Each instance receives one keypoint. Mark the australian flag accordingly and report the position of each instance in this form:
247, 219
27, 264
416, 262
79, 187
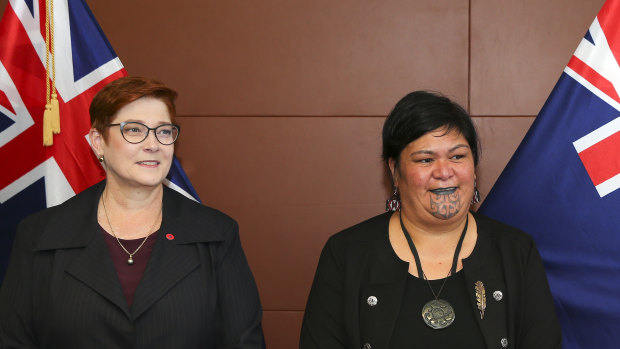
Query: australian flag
34, 176
562, 185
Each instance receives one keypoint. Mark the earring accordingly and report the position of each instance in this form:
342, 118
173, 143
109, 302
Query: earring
476, 198
101, 158
393, 203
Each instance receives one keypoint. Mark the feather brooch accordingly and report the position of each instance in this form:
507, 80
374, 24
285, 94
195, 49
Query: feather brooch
481, 298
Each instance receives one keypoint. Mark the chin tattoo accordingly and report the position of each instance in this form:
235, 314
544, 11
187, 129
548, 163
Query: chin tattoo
445, 206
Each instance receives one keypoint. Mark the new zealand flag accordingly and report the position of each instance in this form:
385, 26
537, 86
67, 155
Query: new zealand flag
562, 186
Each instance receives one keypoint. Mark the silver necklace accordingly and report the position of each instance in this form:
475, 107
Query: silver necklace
131, 254
437, 313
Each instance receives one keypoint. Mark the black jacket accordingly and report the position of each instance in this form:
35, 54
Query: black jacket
359, 262
61, 289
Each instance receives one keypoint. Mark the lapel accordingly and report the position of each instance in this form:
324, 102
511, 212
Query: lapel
73, 226
171, 260
169, 263
185, 224
385, 280
94, 267
484, 266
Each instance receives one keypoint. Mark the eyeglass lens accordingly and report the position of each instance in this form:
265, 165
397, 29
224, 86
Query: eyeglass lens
135, 132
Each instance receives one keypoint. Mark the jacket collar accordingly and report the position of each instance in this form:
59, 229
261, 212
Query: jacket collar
73, 224
385, 278
482, 266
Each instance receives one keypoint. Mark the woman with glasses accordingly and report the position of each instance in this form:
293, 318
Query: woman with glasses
130, 263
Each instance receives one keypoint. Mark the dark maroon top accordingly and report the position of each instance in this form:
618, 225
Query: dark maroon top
129, 275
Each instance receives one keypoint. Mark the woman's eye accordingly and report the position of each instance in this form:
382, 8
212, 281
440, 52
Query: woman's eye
424, 161
458, 156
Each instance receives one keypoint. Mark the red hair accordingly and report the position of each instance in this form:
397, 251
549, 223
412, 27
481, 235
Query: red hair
117, 94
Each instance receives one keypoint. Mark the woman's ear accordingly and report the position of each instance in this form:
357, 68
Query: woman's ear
96, 141
393, 170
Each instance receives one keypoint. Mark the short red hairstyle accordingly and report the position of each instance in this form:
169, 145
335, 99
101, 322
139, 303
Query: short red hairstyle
117, 94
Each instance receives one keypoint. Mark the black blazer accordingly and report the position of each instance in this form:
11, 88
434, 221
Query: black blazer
61, 289
359, 262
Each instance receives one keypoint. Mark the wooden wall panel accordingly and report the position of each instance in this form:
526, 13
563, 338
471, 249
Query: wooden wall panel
290, 182
499, 138
520, 48
282, 328
276, 57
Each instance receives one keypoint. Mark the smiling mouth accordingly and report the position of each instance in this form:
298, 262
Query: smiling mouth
148, 163
443, 191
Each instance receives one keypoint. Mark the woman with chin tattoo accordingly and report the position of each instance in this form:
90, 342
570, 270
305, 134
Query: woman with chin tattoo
430, 273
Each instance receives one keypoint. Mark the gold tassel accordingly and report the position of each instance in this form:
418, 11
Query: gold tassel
55, 107
48, 138
55, 114
481, 298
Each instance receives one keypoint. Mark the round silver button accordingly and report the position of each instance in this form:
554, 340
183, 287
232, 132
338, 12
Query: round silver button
367, 346
504, 342
372, 301
498, 295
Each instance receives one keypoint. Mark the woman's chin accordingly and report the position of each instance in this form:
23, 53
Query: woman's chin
447, 211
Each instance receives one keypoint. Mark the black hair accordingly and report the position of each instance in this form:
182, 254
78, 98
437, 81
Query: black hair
421, 112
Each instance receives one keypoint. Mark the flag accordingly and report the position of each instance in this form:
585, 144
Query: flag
562, 186
35, 176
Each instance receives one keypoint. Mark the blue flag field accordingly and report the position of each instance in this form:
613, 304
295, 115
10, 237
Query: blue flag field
562, 186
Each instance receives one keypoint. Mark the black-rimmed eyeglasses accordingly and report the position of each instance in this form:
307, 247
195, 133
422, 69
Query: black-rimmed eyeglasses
136, 132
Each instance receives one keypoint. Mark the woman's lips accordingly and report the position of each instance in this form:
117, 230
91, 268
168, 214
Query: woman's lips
443, 191
148, 163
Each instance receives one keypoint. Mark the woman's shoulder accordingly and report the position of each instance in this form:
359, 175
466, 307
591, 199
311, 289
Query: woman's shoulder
72, 207
501, 233
370, 229
188, 212
50, 224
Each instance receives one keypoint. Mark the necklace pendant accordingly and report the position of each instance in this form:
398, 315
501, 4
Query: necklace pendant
130, 260
438, 314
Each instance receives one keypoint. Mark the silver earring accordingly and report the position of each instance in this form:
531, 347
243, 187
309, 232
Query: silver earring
476, 198
393, 203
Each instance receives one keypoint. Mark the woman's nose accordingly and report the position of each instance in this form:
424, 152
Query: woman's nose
151, 143
443, 169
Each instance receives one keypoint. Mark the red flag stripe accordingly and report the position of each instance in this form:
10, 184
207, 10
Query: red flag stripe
593, 77
602, 160
21, 61
608, 20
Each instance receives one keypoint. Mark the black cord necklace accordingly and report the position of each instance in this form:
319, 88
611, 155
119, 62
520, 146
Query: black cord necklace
437, 313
